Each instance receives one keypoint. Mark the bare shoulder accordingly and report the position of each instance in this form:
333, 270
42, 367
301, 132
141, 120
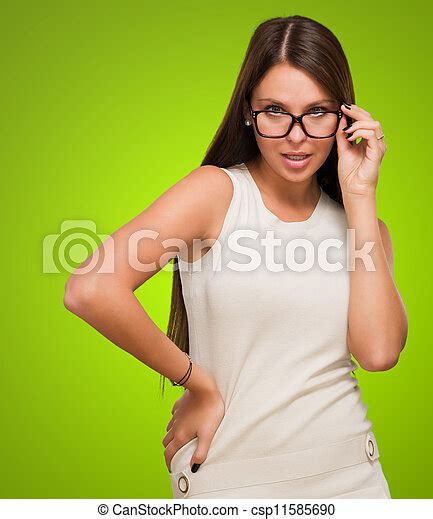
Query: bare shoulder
210, 190
387, 243
198, 202
208, 181
197, 195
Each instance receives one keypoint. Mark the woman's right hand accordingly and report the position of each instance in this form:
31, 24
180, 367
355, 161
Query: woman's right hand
195, 414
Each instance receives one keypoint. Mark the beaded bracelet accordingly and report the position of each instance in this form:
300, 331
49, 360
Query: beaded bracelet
187, 374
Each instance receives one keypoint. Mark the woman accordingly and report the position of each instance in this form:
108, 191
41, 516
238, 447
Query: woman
262, 347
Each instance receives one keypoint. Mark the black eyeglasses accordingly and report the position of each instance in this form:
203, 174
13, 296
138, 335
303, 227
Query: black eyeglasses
320, 124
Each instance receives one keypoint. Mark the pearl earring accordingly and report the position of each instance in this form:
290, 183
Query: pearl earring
247, 123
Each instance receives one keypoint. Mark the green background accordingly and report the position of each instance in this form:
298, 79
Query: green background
105, 105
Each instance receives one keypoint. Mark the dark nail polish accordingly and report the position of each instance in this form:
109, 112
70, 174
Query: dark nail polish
195, 467
347, 106
347, 127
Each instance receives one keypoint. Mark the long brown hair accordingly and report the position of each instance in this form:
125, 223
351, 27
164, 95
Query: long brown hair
303, 43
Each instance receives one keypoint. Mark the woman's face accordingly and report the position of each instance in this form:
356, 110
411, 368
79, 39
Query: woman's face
290, 89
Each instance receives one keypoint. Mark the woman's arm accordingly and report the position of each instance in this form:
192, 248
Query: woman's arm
378, 323
107, 302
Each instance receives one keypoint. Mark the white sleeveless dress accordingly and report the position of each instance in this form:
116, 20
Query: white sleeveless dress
271, 328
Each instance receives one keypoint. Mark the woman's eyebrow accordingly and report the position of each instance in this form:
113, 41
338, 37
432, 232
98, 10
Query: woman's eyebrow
307, 106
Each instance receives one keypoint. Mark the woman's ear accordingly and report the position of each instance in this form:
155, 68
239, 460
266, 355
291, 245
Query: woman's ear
247, 115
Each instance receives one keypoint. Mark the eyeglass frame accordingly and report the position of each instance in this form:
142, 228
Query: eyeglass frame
295, 119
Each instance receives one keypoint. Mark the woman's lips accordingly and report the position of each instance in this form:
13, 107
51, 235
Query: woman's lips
297, 164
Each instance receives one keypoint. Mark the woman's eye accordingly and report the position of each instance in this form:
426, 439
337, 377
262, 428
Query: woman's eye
272, 106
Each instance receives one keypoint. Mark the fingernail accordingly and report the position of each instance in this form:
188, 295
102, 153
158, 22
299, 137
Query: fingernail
347, 106
195, 467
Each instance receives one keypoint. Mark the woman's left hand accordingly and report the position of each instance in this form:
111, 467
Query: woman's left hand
358, 164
